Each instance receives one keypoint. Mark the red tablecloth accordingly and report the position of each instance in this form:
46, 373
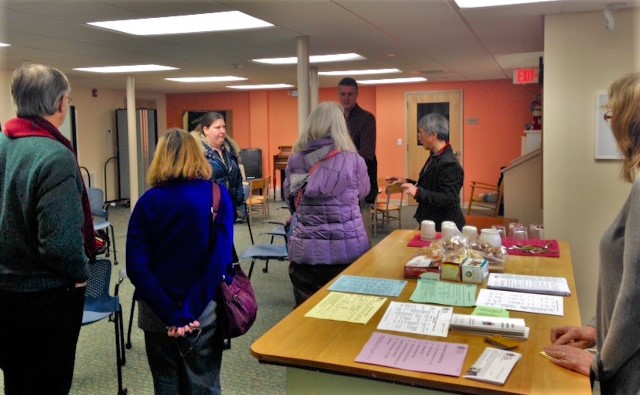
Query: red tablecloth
553, 248
418, 242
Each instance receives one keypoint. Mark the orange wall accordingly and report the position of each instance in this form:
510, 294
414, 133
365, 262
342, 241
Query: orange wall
268, 119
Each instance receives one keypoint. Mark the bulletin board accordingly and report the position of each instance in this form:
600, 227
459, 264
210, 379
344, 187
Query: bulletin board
605, 144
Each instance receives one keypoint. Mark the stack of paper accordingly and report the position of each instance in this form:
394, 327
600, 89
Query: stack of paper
493, 366
508, 327
533, 284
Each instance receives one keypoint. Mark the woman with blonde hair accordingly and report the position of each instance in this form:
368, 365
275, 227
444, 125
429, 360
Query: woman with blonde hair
176, 258
325, 180
614, 329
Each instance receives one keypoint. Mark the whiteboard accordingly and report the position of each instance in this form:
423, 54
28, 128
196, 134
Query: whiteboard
605, 142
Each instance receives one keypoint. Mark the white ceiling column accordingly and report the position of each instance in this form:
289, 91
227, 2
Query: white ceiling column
133, 141
314, 86
303, 81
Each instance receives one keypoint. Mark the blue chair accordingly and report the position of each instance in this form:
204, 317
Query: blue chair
267, 252
101, 219
100, 305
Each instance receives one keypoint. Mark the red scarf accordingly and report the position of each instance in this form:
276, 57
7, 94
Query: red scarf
40, 127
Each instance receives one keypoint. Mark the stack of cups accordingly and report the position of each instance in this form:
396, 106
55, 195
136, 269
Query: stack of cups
427, 230
536, 231
471, 233
449, 229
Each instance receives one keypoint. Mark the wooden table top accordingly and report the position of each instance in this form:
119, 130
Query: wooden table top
332, 346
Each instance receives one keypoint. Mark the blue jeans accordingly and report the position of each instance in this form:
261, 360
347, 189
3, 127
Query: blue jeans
189, 365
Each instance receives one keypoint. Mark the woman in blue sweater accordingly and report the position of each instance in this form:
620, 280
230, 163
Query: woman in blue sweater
176, 258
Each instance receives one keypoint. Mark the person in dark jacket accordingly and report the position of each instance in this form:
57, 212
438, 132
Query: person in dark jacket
223, 156
46, 237
437, 189
327, 233
177, 258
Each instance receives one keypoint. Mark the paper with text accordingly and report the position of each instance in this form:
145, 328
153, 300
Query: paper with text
521, 301
533, 284
422, 319
444, 292
487, 311
368, 285
354, 308
493, 366
414, 354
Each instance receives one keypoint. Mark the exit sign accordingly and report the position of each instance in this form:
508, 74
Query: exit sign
525, 76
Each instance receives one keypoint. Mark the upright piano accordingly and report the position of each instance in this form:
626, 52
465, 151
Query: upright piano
280, 163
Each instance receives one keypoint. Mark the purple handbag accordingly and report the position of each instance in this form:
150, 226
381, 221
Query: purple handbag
237, 305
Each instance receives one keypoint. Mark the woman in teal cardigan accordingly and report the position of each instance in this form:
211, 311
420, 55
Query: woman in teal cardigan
177, 258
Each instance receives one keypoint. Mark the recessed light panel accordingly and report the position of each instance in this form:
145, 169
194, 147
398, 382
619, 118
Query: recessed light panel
392, 81
263, 86
126, 69
493, 3
312, 59
198, 23
227, 78
359, 72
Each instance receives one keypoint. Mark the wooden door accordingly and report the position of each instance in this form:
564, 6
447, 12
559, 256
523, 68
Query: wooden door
447, 103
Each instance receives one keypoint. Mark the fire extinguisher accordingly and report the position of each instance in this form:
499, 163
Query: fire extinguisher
536, 112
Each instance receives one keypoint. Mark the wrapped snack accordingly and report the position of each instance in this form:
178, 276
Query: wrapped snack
495, 256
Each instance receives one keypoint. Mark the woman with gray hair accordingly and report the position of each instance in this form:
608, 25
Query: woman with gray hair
46, 237
325, 181
437, 189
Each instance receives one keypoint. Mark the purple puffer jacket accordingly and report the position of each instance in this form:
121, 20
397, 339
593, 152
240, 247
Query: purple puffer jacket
329, 227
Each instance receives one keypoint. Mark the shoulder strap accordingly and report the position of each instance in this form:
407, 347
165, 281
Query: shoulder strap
215, 205
313, 170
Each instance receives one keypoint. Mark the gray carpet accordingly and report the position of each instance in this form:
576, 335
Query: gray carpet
242, 374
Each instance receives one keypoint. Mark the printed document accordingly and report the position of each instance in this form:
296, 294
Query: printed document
493, 366
368, 285
444, 292
533, 284
520, 301
354, 308
414, 354
422, 319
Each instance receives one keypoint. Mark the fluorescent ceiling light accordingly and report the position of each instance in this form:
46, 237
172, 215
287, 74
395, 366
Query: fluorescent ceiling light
313, 59
207, 79
214, 21
126, 69
392, 81
4, 45
359, 72
263, 86
492, 3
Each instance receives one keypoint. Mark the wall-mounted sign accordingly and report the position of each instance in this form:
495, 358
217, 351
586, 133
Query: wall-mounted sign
526, 76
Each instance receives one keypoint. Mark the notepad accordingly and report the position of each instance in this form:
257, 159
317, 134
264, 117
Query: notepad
494, 366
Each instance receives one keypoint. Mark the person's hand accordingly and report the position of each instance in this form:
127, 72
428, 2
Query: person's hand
395, 180
182, 331
571, 358
409, 189
574, 336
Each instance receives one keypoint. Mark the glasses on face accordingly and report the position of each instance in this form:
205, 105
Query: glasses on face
607, 116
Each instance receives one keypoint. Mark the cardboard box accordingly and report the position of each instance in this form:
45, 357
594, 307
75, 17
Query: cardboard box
450, 271
474, 270
419, 265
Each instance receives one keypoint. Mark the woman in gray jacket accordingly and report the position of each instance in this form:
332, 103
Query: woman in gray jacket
614, 329
328, 233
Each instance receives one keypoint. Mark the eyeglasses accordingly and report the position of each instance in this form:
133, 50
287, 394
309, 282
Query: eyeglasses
607, 116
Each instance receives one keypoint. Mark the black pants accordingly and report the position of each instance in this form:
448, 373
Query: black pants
38, 336
308, 279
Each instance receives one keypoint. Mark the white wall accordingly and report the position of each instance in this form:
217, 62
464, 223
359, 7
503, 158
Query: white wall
95, 118
581, 196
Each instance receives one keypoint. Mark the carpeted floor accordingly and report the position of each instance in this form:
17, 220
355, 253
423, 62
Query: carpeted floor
242, 374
